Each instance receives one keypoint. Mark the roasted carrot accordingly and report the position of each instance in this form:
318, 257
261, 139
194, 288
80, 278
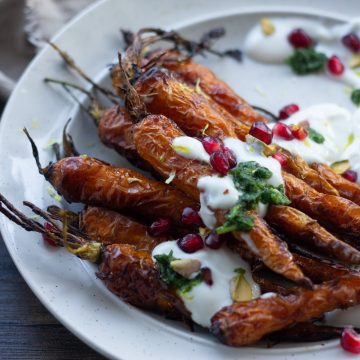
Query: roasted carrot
333, 211
298, 226
346, 188
153, 138
247, 322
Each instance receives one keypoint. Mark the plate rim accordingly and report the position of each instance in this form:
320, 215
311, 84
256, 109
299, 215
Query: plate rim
91, 8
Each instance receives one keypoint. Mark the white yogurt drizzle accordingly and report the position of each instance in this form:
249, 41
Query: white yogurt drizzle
341, 131
218, 192
203, 301
275, 48
190, 148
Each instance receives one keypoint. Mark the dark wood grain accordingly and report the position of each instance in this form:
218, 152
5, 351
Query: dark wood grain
27, 329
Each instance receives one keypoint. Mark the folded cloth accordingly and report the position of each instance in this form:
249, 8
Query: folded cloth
45, 17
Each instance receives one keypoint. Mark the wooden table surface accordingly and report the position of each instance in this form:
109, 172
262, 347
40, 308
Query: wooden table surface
27, 330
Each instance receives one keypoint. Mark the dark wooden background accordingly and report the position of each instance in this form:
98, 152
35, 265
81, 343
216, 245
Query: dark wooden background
27, 330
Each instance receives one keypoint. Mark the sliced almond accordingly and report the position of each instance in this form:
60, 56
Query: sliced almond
186, 267
203, 231
240, 289
340, 167
354, 61
267, 26
258, 146
269, 150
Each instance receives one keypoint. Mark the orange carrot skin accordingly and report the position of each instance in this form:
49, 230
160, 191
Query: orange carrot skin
346, 188
246, 323
131, 274
200, 75
194, 113
92, 182
153, 137
335, 212
109, 227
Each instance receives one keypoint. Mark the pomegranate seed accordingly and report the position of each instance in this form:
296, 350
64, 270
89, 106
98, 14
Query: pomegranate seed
350, 341
335, 66
207, 276
160, 227
281, 158
211, 144
352, 42
298, 38
230, 156
287, 111
191, 243
220, 162
190, 217
261, 131
350, 175
299, 132
282, 131
214, 241
49, 227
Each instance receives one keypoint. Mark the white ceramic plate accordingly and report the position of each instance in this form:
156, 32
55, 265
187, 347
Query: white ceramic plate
67, 286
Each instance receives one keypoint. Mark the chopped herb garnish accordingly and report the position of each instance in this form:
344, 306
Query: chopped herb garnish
171, 177
251, 179
181, 149
355, 97
240, 271
51, 191
306, 61
316, 136
203, 131
171, 277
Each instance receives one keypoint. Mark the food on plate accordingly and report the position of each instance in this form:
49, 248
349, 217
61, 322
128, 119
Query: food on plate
250, 228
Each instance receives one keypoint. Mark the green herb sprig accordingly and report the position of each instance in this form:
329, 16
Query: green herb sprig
316, 136
355, 97
306, 61
171, 277
251, 179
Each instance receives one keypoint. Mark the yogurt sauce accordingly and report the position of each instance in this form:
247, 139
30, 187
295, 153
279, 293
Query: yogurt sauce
203, 301
341, 131
275, 48
220, 192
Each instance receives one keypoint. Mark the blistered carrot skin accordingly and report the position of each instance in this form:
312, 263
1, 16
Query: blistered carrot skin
316, 270
153, 137
346, 188
131, 274
197, 74
92, 182
109, 227
272, 251
194, 113
322, 270
333, 211
298, 167
301, 227
246, 323
116, 131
